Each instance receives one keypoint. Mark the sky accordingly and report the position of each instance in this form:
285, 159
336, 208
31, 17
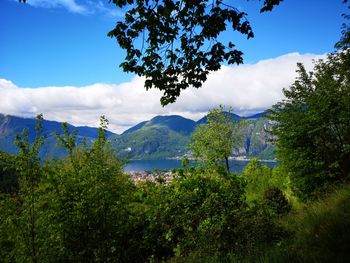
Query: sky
56, 59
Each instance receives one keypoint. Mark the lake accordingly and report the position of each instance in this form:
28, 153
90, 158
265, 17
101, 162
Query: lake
236, 166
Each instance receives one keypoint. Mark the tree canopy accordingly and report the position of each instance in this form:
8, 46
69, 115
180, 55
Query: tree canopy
174, 44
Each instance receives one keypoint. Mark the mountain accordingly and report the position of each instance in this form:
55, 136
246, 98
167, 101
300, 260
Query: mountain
169, 136
12, 125
160, 137
257, 140
257, 115
234, 117
175, 123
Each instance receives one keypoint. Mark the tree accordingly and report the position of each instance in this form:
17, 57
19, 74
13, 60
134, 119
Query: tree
174, 44
21, 211
86, 202
213, 143
313, 125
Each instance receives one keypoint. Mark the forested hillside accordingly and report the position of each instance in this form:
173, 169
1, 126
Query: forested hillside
169, 136
160, 137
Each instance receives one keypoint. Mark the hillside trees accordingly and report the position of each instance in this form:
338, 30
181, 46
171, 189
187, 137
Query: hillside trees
213, 143
313, 125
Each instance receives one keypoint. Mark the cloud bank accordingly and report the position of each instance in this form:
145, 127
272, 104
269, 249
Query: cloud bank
247, 88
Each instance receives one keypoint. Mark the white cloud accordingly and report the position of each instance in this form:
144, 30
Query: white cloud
247, 88
70, 5
86, 7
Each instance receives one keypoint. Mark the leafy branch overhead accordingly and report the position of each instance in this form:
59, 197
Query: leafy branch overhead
174, 44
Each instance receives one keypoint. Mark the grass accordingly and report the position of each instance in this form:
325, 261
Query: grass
320, 232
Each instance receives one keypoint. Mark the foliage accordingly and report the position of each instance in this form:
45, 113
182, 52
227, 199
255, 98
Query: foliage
8, 174
320, 232
213, 143
85, 209
71, 211
344, 41
313, 125
89, 191
30, 173
260, 178
205, 214
275, 199
175, 44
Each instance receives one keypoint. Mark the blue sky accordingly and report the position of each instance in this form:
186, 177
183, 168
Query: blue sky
55, 43
58, 46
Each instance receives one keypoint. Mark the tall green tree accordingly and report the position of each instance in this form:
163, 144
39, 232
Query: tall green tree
23, 222
313, 125
213, 143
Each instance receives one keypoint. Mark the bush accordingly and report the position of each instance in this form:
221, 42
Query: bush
275, 199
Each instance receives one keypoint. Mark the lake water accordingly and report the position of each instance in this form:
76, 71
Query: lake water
236, 166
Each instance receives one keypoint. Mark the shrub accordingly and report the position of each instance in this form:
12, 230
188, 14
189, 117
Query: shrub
275, 199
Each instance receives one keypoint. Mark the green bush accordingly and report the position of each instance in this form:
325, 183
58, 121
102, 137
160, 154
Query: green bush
275, 199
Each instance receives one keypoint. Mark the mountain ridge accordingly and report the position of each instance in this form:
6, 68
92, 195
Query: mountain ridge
168, 136
163, 136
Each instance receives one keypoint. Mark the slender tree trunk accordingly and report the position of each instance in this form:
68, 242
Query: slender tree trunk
227, 164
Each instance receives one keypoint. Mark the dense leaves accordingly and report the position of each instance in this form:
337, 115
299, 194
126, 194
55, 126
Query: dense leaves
276, 200
313, 125
85, 209
8, 173
175, 44
214, 142
203, 214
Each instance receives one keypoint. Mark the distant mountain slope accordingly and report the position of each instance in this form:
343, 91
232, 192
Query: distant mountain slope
169, 136
135, 128
175, 123
11, 125
160, 137
257, 139
257, 115
234, 117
